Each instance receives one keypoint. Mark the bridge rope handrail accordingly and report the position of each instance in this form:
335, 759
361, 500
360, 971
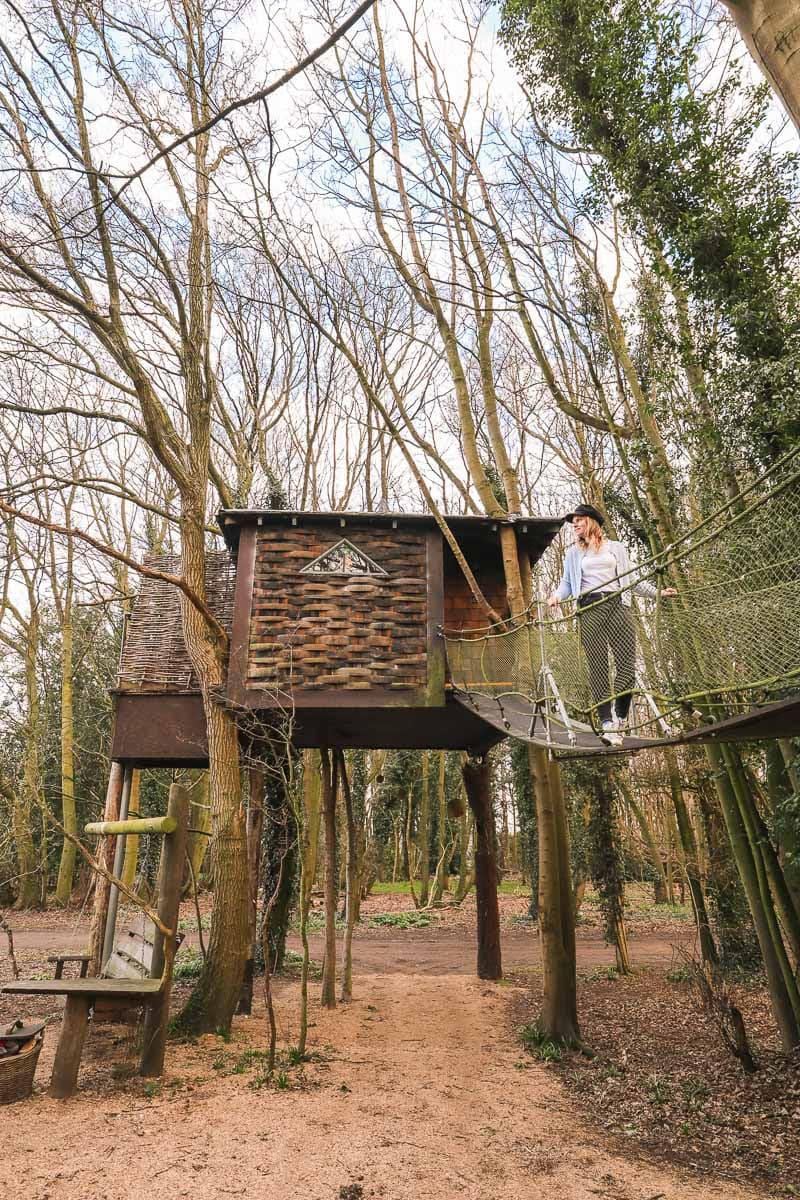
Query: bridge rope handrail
728, 638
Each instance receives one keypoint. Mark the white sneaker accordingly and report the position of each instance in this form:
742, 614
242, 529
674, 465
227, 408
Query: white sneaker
610, 734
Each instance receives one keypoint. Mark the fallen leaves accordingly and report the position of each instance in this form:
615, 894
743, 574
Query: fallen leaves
663, 1080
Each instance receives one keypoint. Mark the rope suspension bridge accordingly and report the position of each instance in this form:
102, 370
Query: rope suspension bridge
718, 661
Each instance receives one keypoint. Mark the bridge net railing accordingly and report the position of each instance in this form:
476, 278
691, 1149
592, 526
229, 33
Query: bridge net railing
726, 642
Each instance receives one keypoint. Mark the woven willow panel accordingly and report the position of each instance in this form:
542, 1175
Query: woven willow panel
154, 657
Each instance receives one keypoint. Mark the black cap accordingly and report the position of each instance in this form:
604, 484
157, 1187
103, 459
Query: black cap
586, 510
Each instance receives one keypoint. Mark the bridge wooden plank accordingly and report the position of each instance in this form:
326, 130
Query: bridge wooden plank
511, 715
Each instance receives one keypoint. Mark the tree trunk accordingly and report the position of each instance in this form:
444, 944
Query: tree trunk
736, 935
771, 31
465, 880
504, 833
105, 857
213, 1000
199, 826
131, 860
708, 950
784, 786
28, 796
782, 999
477, 784
329, 779
528, 829
606, 864
396, 839
424, 831
666, 826
351, 878
255, 826
309, 822
649, 838
170, 876
559, 1015
792, 762
405, 848
66, 867
27, 890
442, 881
779, 890
280, 853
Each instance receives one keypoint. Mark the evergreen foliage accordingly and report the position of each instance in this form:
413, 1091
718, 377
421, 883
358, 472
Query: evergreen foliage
679, 148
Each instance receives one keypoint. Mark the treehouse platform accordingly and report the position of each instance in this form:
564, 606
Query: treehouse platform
334, 623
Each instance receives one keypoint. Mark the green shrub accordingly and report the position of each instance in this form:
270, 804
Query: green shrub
188, 964
401, 920
657, 1090
539, 1044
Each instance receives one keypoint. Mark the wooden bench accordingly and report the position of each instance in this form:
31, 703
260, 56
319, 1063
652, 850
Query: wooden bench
125, 978
131, 958
134, 958
81, 995
60, 959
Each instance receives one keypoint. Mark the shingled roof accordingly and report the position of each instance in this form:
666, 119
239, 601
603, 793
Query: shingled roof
154, 656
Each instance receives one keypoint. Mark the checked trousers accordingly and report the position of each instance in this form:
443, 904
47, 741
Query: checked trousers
608, 629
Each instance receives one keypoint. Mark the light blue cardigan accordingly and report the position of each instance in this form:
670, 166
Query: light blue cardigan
570, 585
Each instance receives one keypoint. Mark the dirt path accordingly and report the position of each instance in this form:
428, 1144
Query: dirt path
453, 952
420, 952
422, 1092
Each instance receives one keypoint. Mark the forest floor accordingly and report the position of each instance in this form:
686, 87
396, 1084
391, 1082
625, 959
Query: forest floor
421, 1086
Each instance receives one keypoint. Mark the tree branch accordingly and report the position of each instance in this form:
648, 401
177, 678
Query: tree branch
254, 97
110, 552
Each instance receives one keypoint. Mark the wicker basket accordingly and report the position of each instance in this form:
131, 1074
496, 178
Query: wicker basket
17, 1072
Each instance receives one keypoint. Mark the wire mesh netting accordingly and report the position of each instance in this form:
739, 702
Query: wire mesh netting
727, 641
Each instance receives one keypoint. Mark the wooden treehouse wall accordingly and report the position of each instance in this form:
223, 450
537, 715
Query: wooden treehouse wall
348, 632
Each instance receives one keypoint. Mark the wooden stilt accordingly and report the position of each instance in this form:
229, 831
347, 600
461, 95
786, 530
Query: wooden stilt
64, 1079
477, 785
105, 856
119, 858
170, 877
255, 825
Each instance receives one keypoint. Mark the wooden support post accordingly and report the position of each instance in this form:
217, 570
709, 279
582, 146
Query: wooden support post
119, 858
477, 785
170, 877
330, 778
105, 856
255, 826
64, 1079
132, 841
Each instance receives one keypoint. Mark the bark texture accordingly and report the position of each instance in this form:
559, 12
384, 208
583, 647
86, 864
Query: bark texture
329, 778
559, 1015
771, 31
477, 784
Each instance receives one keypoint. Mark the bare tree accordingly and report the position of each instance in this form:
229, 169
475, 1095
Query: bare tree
121, 284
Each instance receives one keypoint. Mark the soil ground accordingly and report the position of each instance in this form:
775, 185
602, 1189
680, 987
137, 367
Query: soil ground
418, 1088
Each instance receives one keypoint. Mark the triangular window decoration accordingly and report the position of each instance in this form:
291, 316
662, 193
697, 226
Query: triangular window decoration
343, 559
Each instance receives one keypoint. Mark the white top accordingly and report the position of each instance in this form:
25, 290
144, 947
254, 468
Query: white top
598, 569
629, 578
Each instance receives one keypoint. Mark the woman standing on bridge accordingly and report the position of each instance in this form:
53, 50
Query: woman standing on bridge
594, 571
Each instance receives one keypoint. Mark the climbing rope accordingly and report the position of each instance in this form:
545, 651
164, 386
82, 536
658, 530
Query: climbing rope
727, 641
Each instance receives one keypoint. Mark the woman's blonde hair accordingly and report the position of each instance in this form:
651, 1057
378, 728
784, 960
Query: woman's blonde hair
594, 535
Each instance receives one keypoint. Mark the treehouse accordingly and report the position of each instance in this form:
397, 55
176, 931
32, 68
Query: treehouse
334, 621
